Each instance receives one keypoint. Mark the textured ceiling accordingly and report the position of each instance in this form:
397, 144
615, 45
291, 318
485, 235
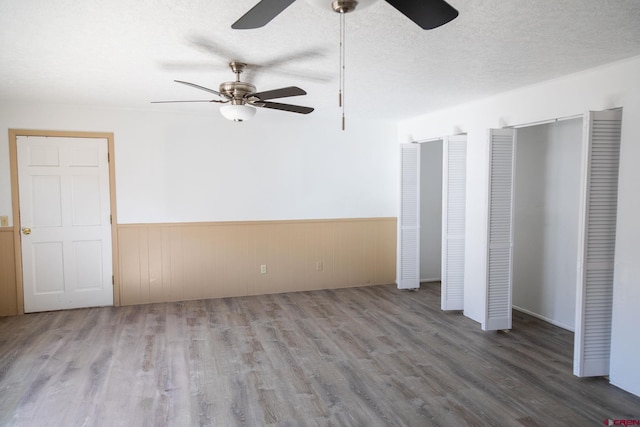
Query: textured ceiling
127, 53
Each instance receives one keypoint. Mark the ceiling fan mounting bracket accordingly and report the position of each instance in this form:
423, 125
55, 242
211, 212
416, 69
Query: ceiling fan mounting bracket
237, 67
344, 6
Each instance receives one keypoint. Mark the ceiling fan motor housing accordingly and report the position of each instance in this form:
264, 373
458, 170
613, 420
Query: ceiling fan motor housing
237, 91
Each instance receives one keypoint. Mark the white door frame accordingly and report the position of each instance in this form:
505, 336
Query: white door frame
15, 201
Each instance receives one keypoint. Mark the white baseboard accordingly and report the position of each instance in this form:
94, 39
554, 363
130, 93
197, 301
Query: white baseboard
546, 319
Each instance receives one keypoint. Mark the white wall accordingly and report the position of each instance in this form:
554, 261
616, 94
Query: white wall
430, 210
546, 215
182, 167
614, 85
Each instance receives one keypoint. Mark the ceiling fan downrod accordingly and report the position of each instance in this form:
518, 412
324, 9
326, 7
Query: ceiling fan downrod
237, 68
342, 7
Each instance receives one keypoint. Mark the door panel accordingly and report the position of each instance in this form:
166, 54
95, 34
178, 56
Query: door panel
500, 229
597, 238
45, 201
64, 200
48, 275
87, 257
85, 200
408, 266
453, 221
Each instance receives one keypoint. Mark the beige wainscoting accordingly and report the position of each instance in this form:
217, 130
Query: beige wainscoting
174, 262
8, 292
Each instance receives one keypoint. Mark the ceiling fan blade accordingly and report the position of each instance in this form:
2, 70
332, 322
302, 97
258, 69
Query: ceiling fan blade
252, 70
213, 48
272, 66
284, 107
199, 87
167, 102
280, 93
428, 14
189, 66
295, 56
261, 14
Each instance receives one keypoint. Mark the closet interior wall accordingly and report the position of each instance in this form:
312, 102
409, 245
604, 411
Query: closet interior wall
546, 214
430, 211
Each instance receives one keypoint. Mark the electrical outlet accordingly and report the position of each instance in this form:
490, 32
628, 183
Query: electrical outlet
4, 221
263, 269
319, 266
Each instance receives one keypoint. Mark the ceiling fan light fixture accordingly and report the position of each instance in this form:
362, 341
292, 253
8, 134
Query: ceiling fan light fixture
237, 113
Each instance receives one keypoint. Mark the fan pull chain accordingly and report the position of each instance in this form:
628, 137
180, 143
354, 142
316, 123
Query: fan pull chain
340, 52
342, 66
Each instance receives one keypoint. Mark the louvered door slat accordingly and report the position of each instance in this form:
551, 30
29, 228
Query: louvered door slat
500, 229
408, 265
598, 233
454, 180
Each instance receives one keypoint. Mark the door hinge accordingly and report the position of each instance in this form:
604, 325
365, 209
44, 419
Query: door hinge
108, 157
110, 219
113, 280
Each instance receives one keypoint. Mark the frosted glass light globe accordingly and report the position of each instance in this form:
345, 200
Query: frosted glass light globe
238, 113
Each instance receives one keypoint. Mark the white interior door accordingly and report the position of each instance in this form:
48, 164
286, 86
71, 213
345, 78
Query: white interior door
65, 220
408, 265
597, 236
500, 229
454, 176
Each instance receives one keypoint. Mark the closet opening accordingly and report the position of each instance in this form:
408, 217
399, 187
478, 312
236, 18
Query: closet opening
547, 181
553, 197
431, 224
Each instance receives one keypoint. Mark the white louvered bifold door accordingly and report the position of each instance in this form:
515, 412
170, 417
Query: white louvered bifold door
500, 229
597, 236
454, 176
408, 266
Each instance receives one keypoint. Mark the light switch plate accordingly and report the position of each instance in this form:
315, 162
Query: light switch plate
4, 221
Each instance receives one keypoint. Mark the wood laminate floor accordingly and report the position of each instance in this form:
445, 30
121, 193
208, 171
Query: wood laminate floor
371, 356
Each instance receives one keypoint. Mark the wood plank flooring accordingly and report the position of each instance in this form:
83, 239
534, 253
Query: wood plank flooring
370, 356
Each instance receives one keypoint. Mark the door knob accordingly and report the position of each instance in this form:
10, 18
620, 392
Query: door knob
26, 230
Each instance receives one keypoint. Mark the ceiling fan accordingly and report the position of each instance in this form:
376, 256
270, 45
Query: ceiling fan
427, 14
243, 98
